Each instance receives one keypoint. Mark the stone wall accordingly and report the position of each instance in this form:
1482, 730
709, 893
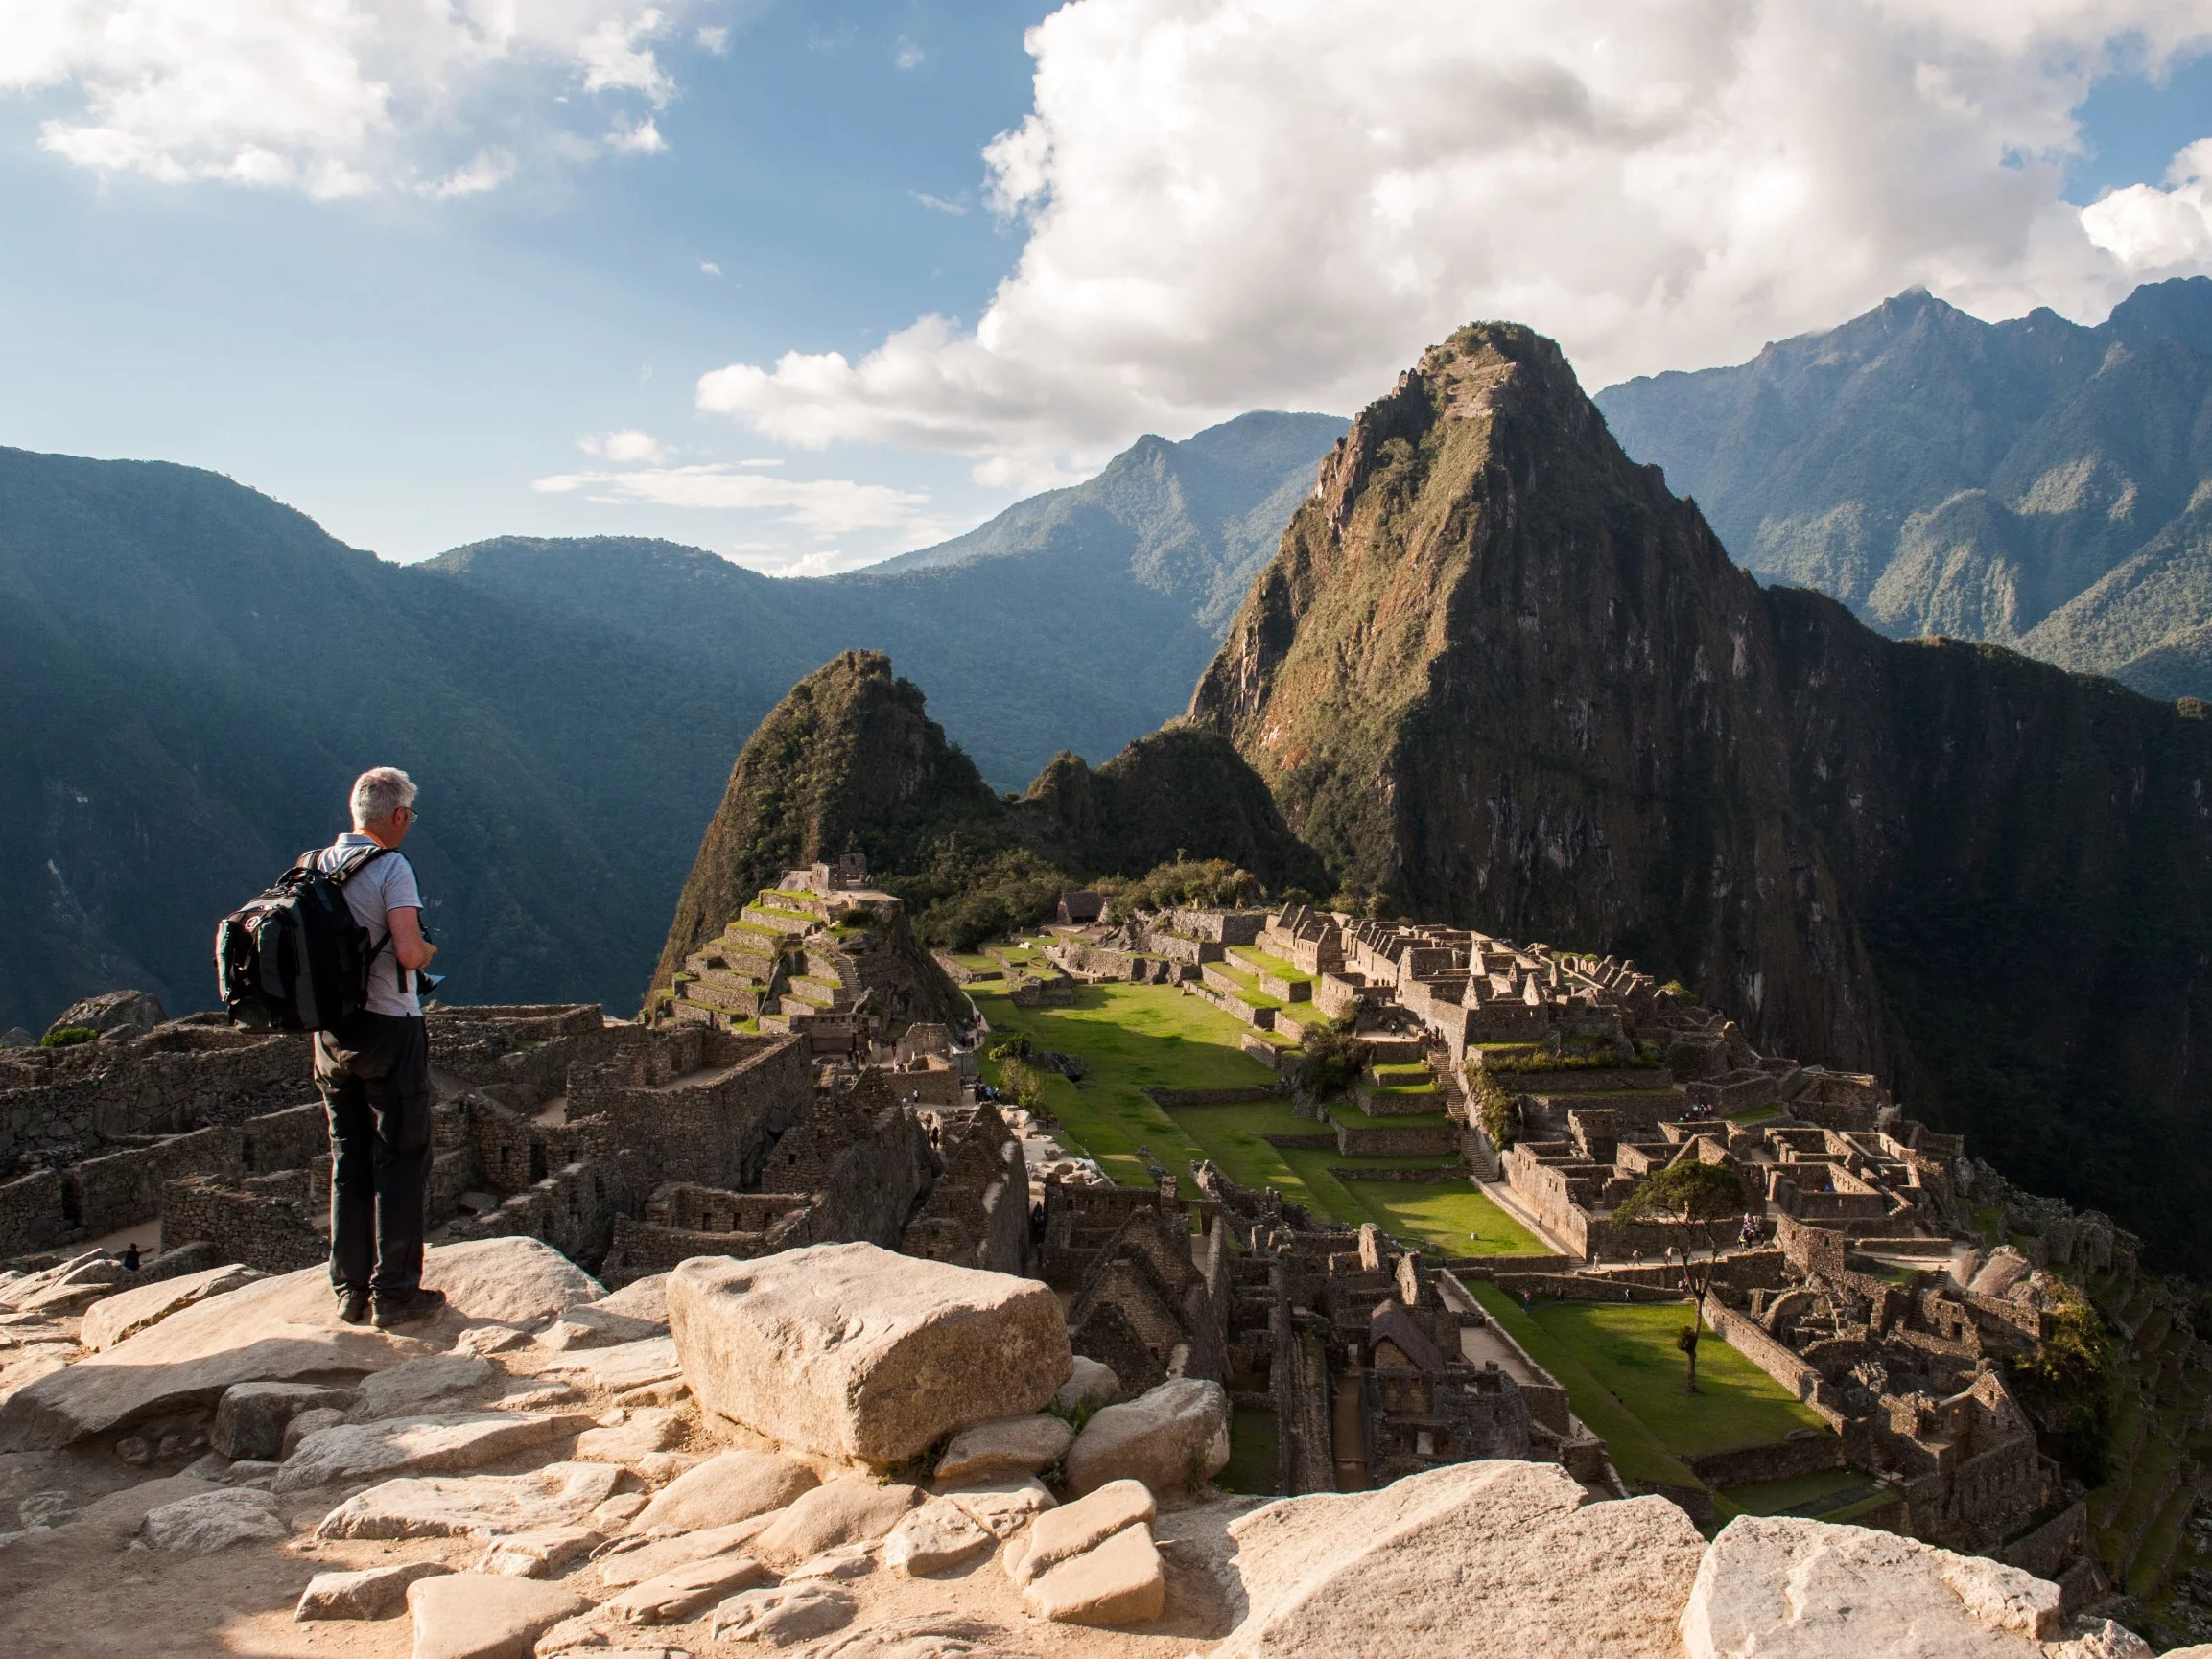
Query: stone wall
57, 1103
260, 1229
713, 1130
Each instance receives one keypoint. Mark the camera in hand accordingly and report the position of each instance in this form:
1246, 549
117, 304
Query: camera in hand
426, 983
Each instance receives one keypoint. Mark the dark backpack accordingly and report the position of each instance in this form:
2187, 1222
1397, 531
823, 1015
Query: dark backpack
295, 959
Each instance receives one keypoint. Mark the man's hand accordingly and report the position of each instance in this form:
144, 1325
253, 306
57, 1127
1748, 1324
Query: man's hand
409, 946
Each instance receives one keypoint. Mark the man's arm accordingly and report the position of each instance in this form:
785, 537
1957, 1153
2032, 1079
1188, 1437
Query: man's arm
409, 946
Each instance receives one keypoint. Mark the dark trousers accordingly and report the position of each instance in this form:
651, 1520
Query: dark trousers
375, 1081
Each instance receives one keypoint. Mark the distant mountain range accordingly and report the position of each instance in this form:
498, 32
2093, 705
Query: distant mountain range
2033, 483
193, 674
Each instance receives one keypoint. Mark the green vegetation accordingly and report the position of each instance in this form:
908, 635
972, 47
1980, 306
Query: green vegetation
1529, 1057
1455, 1218
1814, 1495
68, 1037
1703, 1197
1495, 1108
1617, 1364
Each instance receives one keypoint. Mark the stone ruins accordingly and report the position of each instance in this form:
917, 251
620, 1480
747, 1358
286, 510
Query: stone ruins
794, 1138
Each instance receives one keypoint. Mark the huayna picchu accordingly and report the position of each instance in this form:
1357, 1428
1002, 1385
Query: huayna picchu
1497, 675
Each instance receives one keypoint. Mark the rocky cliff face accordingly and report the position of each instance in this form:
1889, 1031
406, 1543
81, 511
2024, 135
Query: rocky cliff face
1497, 673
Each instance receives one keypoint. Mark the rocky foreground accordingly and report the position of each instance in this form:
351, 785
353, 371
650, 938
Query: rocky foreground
837, 1451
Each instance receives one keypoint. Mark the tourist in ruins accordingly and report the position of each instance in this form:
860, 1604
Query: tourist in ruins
375, 1074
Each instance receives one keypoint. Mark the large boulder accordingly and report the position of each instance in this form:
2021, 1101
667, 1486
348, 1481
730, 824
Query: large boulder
1172, 1438
1010, 1446
279, 1330
252, 1417
1789, 1589
113, 1013
855, 1353
207, 1521
1514, 1551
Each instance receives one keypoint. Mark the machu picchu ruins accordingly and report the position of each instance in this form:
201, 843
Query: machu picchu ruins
812, 1080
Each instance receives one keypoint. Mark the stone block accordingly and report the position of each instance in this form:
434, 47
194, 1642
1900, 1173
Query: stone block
250, 1418
482, 1506
1172, 1438
127, 1312
453, 1441
415, 1384
1070, 1531
938, 1535
1003, 1507
857, 1353
1118, 1582
669, 1597
1092, 1382
469, 1616
787, 1614
1007, 1447
373, 1593
208, 1521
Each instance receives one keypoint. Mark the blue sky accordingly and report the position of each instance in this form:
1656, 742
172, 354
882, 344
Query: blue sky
1198, 211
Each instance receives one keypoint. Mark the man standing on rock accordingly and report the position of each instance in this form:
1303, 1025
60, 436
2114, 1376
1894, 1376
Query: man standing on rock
374, 1073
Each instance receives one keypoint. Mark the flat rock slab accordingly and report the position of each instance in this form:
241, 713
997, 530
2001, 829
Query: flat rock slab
1172, 1438
785, 1615
474, 1506
1004, 1446
861, 1354
209, 1521
540, 1555
509, 1281
127, 1312
733, 1487
469, 1616
674, 1595
406, 1388
1118, 1582
279, 1330
846, 1510
1003, 1507
643, 1432
1514, 1551
628, 1567
938, 1535
373, 1593
1072, 1528
1782, 1588
449, 1440
627, 1365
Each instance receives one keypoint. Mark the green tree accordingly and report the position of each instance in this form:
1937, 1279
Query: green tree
1703, 1199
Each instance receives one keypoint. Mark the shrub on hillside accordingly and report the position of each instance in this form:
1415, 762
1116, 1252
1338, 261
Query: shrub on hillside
68, 1037
1204, 885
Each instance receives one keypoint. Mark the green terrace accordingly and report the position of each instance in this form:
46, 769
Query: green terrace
1134, 1037
1624, 1377
1245, 982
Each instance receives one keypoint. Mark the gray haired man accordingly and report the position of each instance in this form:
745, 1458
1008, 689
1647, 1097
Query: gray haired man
374, 1073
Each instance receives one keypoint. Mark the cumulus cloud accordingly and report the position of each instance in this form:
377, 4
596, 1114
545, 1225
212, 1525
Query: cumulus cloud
2153, 230
714, 38
1227, 203
624, 447
331, 97
825, 507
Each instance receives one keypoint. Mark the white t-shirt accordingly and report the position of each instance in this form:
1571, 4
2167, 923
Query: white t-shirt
373, 893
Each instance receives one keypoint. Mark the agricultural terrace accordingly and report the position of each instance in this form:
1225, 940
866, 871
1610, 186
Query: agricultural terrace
1134, 1037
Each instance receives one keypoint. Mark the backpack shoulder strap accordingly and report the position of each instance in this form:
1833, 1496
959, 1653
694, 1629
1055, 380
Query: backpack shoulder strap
356, 860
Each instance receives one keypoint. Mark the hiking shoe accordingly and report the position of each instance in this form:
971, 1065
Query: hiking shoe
401, 1307
352, 1306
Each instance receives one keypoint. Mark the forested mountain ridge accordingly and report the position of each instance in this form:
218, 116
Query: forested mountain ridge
2032, 482
1498, 675
193, 674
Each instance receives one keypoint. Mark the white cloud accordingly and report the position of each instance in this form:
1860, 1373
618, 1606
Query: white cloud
624, 447
713, 38
708, 267
909, 55
642, 139
2149, 229
330, 97
1229, 203
826, 506
937, 203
